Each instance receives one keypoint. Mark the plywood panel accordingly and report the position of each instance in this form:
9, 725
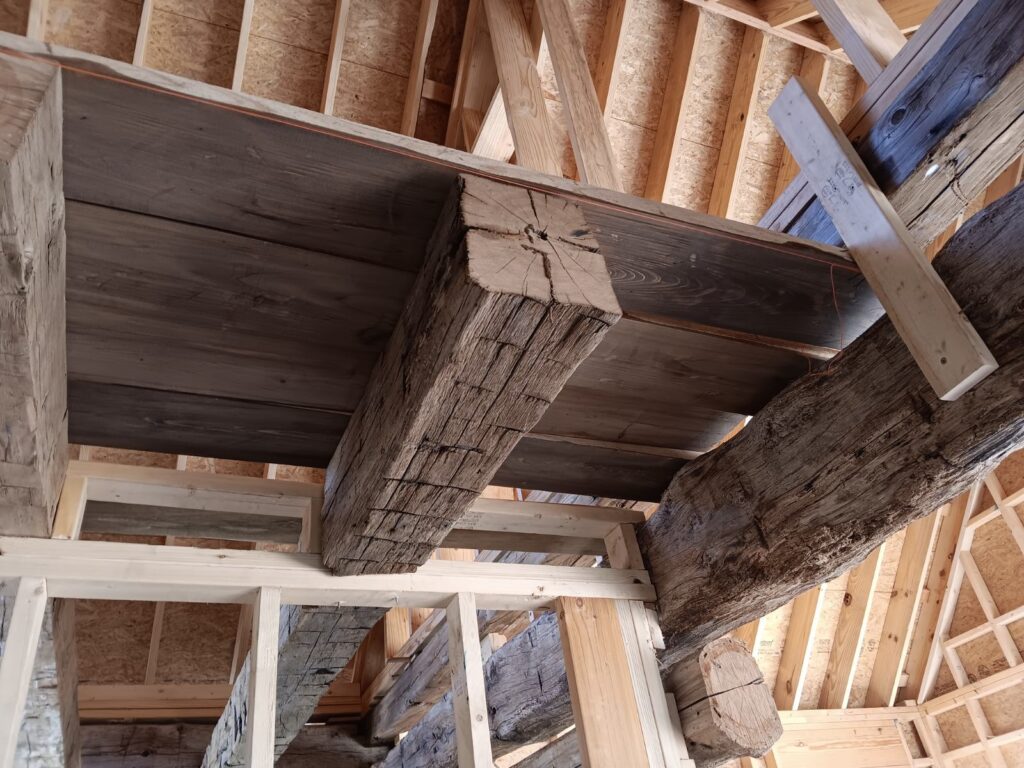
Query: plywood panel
104, 27
197, 643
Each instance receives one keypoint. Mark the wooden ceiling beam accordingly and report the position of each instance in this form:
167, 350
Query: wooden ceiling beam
866, 32
591, 145
33, 352
525, 108
673, 106
497, 322
738, 556
928, 175
733, 152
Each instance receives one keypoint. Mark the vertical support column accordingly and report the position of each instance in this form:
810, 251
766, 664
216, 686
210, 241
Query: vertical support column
242, 52
67, 524
604, 703
266, 626
472, 729
19, 653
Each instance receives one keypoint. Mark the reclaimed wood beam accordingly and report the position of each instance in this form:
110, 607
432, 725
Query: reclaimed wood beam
964, 47
866, 32
740, 531
513, 296
33, 357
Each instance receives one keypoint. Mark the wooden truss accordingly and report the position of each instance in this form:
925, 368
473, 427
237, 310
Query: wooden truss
602, 612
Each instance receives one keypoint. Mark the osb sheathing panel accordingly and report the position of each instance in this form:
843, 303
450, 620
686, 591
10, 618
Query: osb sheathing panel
132, 458
1001, 564
302, 24
222, 13
197, 643
14, 16
103, 27
445, 44
284, 73
191, 48
432, 121
370, 96
705, 113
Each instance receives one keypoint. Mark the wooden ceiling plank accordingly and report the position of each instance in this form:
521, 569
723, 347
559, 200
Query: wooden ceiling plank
334, 55
33, 368
848, 641
584, 114
908, 595
866, 32
814, 69
414, 87
942, 340
532, 309
673, 106
525, 108
797, 647
242, 51
749, 74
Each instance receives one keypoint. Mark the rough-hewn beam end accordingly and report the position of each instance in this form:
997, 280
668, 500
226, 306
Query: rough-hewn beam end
513, 295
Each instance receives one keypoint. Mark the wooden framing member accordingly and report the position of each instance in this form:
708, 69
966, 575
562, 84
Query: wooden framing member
341, 11
142, 36
33, 351
670, 123
259, 746
903, 609
474, 15
414, 88
584, 113
468, 694
849, 636
24, 628
450, 398
242, 51
525, 108
866, 32
814, 69
737, 127
803, 623
38, 10
943, 342
606, 73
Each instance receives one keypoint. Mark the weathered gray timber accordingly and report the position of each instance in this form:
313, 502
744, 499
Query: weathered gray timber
315, 645
844, 458
49, 736
513, 295
726, 709
937, 127
33, 368
181, 745
527, 699
563, 752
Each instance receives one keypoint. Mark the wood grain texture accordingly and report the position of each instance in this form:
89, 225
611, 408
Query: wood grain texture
142, 520
795, 480
469, 700
865, 31
33, 388
527, 113
513, 296
954, 103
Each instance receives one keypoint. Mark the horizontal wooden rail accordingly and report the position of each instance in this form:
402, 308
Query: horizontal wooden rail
115, 571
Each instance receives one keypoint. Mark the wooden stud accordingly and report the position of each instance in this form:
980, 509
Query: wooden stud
902, 611
330, 91
527, 112
262, 702
849, 636
750, 635
142, 36
670, 123
866, 32
814, 69
943, 342
606, 75
67, 523
737, 127
37, 13
24, 628
1005, 182
245, 29
414, 87
469, 696
623, 550
462, 74
600, 685
595, 159
803, 623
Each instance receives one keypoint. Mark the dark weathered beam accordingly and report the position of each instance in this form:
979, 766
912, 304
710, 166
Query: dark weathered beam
513, 295
33, 378
315, 645
527, 691
174, 745
940, 123
842, 459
